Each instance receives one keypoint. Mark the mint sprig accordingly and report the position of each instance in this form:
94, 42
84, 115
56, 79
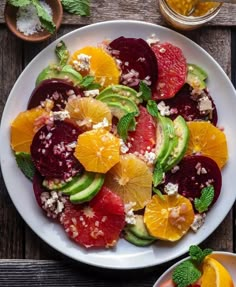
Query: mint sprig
78, 7
19, 3
62, 53
158, 174
188, 272
25, 164
207, 196
159, 193
89, 84
125, 124
152, 108
145, 90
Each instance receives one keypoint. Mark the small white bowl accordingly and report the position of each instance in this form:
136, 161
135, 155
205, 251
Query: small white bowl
227, 259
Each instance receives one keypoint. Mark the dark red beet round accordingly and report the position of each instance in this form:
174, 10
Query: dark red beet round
57, 90
52, 150
183, 104
38, 188
136, 56
194, 173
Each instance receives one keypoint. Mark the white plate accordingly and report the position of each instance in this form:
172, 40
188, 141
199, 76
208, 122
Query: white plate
124, 255
227, 259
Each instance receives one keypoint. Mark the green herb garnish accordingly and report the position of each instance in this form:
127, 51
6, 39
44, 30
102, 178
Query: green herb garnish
79, 7
159, 193
25, 164
152, 108
145, 90
125, 124
158, 174
207, 196
62, 53
19, 3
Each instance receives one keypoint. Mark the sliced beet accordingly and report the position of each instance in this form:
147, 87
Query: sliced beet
52, 150
138, 62
195, 173
57, 90
172, 70
38, 188
184, 104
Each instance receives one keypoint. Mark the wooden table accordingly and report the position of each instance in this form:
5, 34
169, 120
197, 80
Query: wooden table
25, 260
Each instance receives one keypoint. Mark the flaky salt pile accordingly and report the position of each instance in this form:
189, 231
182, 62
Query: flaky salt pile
28, 21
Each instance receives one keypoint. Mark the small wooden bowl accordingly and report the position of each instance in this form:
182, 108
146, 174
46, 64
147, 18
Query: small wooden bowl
10, 19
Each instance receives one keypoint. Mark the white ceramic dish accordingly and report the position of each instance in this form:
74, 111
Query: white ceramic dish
227, 259
124, 255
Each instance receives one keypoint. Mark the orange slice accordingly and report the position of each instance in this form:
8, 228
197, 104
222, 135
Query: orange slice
131, 179
168, 218
89, 112
207, 140
102, 66
24, 127
98, 150
215, 274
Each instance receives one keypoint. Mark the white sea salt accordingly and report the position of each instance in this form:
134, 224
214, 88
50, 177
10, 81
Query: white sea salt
27, 20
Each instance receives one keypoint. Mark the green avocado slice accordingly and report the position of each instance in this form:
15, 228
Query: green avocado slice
130, 237
139, 228
196, 76
162, 137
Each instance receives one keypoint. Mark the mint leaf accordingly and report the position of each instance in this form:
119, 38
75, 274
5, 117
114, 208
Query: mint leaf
62, 53
152, 108
197, 254
145, 90
45, 19
78, 7
186, 273
158, 192
207, 196
158, 174
19, 3
25, 164
86, 81
125, 124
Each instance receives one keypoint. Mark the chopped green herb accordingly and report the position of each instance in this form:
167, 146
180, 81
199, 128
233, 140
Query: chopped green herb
158, 174
207, 196
158, 192
19, 3
152, 108
79, 7
62, 53
125, 124
25, 164
145, 90
86, 81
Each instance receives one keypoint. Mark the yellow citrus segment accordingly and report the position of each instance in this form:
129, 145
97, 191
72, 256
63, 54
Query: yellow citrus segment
88, 112
98, 64
131, 179
215, 274
208, 140
24, 127
168, 218
98, 150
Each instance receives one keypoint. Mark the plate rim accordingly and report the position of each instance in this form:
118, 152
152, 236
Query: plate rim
78, 30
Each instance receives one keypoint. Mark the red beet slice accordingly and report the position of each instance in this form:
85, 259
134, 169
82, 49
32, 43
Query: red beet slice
38, 188
96, 224
57, 90
172, 70
195, 173
183, 104
52, 150
144, 137
138, 62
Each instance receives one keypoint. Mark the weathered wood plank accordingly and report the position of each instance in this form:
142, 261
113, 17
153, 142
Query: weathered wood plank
104, 10
11, 225
66, 273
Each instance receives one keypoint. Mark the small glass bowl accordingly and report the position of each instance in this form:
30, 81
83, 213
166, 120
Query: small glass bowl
185, 22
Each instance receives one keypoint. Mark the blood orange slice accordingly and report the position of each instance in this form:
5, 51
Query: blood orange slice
96, 224
144, 137
172, 70
52, 150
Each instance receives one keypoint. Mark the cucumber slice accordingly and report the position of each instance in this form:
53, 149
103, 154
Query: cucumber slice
182, 134
139, 229
90, 191
130, 237
78, 183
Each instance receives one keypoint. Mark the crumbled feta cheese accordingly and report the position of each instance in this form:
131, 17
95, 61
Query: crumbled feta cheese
150, 157
91, 93
198, 221
171, 188
123, 147
129, 213
152, 40
164, 110
175, 169
53, 203
60, 115
205, 105
82, 63
102, 124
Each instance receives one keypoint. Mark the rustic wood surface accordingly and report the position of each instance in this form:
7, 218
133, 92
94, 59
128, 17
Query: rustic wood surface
25, 260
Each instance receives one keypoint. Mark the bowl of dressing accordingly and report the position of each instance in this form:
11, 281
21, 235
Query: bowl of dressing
181, 15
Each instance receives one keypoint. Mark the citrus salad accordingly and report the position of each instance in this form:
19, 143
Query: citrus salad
120, 140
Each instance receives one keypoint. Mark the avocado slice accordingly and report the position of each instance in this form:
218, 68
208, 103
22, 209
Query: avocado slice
198, 71
78, 183
90, 191
162, 137
196, 76
139, 229
130, 237
122, 91
54, 71
182, 134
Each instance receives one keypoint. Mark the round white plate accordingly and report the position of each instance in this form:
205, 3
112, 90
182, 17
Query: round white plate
227, 259
124, 255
